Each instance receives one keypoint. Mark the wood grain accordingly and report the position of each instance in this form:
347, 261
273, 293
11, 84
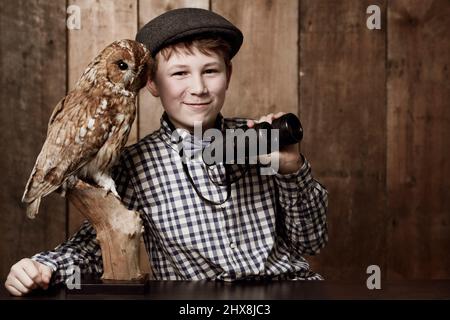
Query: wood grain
118, 230
418, 144
343, 108
32, 81
265, 70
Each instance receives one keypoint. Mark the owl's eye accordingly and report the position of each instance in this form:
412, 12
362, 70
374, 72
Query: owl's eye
122, 65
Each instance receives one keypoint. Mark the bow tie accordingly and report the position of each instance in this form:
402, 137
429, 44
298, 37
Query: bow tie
190, 145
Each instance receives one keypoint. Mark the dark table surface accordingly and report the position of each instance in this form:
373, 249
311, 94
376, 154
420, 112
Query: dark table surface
257, 290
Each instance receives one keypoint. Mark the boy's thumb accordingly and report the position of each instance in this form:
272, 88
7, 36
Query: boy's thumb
46, 273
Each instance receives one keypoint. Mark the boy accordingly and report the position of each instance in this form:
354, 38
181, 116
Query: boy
222, 222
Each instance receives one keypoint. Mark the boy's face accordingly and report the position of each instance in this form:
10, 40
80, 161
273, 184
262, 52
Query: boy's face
191, 87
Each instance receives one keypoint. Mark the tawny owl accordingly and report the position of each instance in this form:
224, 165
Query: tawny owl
90, 126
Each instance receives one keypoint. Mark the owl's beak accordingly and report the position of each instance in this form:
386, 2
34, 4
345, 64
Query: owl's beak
129, 77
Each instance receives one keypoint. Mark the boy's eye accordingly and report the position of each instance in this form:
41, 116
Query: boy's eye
179, 73
211, 71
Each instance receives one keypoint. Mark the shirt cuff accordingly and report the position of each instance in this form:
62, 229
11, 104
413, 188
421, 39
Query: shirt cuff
46, 261
296, 185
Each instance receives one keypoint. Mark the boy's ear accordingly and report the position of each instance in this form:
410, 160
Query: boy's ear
229, 72
152, 87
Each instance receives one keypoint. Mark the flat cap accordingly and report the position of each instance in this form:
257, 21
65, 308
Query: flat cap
179, 24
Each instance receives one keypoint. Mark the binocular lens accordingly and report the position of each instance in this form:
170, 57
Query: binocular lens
291, 130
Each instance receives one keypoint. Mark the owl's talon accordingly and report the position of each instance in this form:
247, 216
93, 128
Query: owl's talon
63, 193
114, 192
106, 183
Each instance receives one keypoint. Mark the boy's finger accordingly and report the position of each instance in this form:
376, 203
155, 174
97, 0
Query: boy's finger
265, 119
46, 274
13, 290
46, 278
269, 117
279, 114
23, 278
46, 271
18, 285
33, 272
45, 281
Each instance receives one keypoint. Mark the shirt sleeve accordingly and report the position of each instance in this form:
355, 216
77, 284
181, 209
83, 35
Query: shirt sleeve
124, 185
303, 202
82, 250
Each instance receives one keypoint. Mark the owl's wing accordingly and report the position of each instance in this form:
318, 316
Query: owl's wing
75, 134
57, 111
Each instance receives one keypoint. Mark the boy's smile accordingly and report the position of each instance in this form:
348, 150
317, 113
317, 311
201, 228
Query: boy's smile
191, 87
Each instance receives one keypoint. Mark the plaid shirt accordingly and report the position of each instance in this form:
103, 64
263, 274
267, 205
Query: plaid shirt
263, 229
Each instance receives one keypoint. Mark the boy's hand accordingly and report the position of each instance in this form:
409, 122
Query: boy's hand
27, 275
289, 156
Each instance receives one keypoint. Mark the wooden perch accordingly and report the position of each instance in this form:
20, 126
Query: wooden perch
118, 230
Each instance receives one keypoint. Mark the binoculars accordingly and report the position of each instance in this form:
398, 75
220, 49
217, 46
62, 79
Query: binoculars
289, 126
245, 144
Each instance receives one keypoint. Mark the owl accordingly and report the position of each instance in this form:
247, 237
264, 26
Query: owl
90, 125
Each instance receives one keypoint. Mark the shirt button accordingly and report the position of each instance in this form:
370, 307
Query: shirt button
232, 245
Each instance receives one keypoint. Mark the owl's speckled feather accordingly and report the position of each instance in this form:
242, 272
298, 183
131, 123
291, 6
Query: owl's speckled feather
90, 126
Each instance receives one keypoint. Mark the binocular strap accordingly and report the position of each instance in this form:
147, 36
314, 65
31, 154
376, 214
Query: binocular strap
227, 181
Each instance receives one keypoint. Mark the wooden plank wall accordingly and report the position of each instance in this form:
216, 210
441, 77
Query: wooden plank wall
374, 105
418, 145
264, 78
342, 104
33, 79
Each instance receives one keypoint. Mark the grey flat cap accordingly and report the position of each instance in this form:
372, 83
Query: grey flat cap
178, 24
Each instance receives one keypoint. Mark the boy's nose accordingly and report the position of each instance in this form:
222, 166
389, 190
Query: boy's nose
198, 86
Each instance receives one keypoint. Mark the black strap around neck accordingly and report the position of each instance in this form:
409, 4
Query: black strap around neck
227, 182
